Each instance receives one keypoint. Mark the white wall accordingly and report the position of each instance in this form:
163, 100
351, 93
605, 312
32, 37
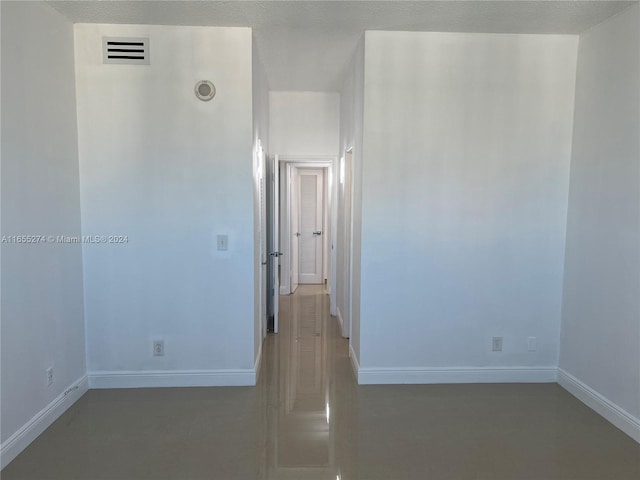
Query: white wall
601, 310
351, 125
467, 143
171, 172
42, 309
304, 123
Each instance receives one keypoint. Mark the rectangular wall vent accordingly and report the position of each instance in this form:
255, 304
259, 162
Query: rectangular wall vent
132, 51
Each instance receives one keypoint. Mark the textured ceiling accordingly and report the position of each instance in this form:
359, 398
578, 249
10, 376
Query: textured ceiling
306, 45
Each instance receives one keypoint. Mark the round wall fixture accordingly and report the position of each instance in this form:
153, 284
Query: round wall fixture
205, 90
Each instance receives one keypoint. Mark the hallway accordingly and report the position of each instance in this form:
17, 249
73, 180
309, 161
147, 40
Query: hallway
307, 420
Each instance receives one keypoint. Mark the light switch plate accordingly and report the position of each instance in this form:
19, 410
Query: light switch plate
223, 242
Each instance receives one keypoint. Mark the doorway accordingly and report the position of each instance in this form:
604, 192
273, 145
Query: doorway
306, 214
301, 221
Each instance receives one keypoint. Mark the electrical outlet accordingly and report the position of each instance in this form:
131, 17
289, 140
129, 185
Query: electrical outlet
496, 344
532, 344
49, 377
158, 348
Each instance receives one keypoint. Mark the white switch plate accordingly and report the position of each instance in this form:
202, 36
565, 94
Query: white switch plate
223, 242
532, 344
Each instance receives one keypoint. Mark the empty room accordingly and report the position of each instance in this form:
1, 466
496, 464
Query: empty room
320, 240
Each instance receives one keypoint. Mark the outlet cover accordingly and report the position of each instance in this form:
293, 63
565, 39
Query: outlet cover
158, 348
532, 344
49, 376
496, 344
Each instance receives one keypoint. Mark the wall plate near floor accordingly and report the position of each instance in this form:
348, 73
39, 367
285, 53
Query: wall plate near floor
158, 348
496, 344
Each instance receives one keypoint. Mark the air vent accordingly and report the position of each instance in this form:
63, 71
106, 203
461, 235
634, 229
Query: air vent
132, 51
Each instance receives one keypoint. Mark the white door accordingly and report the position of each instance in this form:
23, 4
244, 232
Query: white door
310, 195
347, 185
264, 253
295, 227
275, 254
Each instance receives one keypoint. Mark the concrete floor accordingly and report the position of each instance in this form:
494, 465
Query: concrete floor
307, 419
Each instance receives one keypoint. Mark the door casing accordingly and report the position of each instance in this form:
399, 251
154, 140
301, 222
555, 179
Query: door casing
331, 165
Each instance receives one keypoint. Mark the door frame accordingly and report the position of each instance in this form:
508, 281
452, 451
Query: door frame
345, 192
315, 161
274, 230
260, 174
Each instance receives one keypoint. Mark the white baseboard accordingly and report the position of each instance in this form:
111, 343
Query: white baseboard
602, 405
285, 290
355, 366
172, 378
17, 442
368, 376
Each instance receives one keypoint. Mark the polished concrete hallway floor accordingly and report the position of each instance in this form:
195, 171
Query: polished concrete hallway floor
307, 420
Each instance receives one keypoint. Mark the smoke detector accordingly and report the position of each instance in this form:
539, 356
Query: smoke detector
205, 90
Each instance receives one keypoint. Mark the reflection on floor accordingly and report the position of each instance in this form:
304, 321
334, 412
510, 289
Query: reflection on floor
307, 420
